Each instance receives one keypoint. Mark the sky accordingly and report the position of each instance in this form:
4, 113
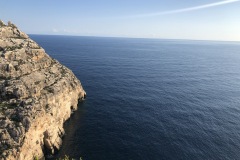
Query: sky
165, 19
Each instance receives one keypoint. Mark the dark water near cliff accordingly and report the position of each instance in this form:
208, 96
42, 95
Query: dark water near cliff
152, 99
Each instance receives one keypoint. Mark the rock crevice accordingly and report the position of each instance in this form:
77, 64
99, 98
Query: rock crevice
37, 95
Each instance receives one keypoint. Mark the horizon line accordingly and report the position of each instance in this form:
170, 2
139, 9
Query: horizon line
186, 39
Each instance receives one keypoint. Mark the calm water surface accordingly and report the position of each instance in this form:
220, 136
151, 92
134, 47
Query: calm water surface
151, 99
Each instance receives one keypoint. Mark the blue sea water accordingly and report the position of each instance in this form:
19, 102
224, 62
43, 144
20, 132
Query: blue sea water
151, 99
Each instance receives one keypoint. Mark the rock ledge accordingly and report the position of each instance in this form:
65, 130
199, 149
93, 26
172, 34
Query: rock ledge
37, 95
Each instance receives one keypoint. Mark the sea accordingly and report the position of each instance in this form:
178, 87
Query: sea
151, 99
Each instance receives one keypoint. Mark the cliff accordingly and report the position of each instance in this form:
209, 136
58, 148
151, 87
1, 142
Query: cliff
37, 95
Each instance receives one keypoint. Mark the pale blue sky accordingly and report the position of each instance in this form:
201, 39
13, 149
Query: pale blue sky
174, 19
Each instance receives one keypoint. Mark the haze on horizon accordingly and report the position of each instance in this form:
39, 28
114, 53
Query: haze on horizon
172, 19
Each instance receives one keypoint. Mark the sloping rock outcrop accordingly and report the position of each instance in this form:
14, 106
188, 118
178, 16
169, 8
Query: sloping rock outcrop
37, 95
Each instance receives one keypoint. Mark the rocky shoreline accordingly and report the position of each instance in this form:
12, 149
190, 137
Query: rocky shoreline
37, 95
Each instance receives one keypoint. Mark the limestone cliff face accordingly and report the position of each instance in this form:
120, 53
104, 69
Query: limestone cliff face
37, 95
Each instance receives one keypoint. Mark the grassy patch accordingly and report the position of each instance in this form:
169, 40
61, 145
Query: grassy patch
12, 48
49, 89
68, 158
37, 83
7, 106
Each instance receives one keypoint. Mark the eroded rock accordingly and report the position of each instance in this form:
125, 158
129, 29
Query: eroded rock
37, 95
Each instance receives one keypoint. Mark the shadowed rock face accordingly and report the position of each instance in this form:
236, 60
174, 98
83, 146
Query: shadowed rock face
37, 95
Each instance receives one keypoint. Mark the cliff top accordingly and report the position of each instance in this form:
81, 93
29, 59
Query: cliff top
10, 30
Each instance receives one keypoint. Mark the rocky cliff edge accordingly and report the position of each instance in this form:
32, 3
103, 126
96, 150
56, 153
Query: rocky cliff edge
37, 95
